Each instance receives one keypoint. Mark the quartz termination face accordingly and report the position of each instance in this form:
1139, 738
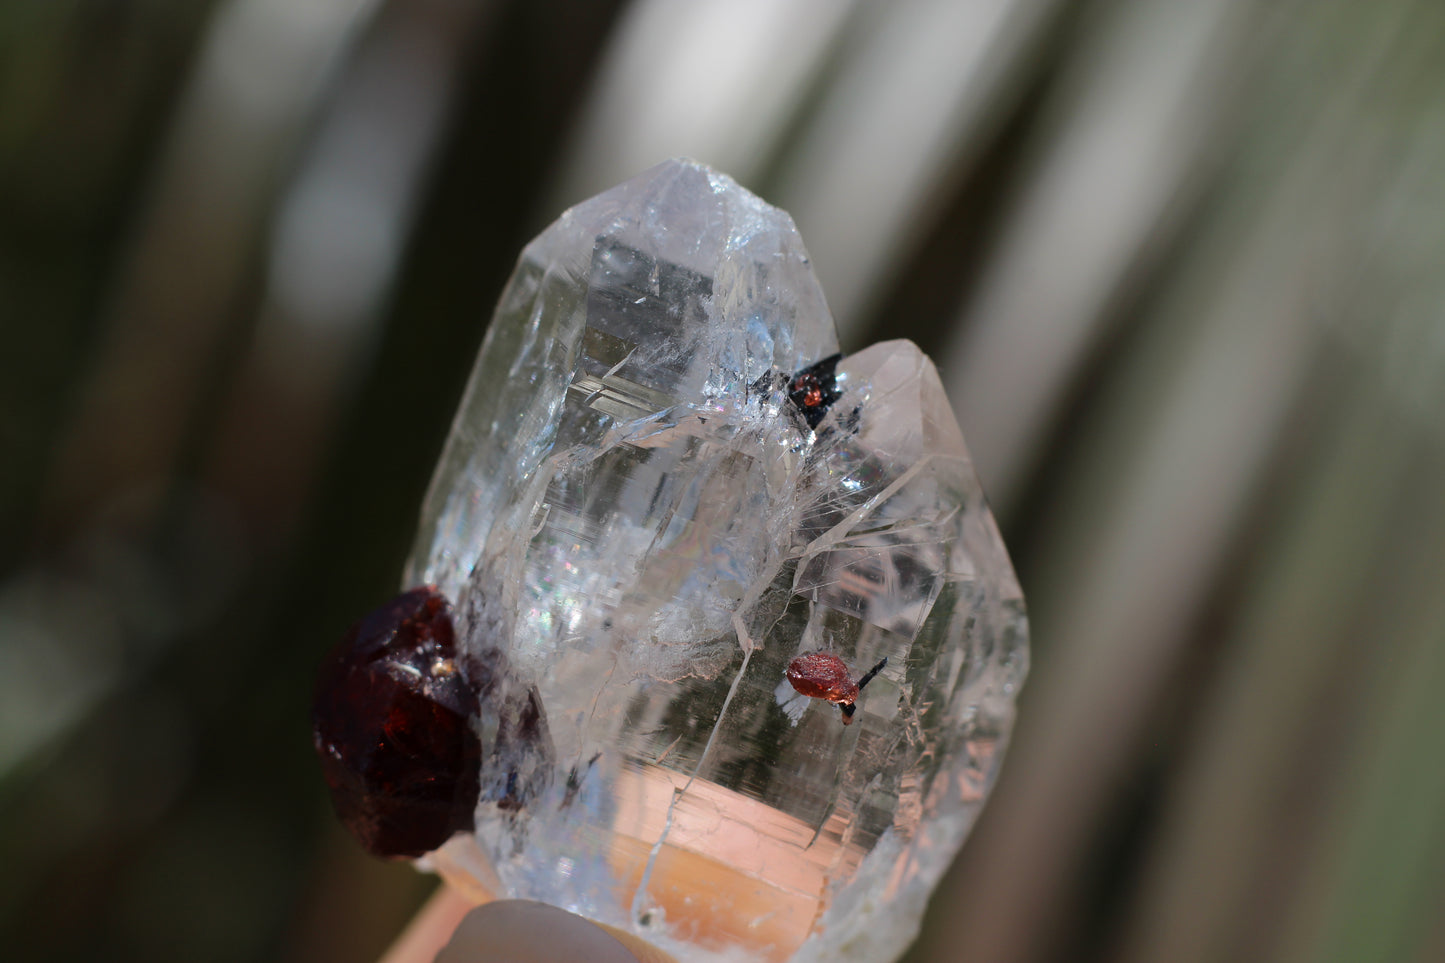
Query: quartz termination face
662, 488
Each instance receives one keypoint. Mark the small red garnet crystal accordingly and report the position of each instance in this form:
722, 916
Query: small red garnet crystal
392, 722
814, 389
809, 389
822, 675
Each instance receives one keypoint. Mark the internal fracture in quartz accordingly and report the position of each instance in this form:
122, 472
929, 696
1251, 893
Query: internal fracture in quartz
671, 516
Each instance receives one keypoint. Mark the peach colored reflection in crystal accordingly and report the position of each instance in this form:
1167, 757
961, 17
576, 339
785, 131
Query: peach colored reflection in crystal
732, 871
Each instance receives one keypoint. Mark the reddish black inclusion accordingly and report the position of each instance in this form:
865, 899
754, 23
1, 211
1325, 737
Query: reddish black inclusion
814, 389
392, 724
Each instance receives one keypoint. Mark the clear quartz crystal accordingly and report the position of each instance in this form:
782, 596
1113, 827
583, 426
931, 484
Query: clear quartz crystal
633, 518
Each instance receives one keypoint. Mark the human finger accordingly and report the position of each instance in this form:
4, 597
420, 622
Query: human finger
524, 931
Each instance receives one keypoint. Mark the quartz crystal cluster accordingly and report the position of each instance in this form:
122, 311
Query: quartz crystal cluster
685, 541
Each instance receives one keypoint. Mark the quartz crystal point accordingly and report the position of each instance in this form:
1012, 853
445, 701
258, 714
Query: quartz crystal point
660, 489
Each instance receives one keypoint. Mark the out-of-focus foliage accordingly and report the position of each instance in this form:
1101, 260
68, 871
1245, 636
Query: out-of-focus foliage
1183, 265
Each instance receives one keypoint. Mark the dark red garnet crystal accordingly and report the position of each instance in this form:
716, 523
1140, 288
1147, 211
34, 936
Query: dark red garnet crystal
392, 722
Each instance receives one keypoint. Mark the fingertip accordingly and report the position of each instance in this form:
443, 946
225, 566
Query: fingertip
643, 951
523, 931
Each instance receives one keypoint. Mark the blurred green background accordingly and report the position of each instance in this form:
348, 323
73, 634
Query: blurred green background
1182, 265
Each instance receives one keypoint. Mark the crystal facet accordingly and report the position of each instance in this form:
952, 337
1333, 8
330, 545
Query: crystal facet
662, 487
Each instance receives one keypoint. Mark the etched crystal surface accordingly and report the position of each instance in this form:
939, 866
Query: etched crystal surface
659, 490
